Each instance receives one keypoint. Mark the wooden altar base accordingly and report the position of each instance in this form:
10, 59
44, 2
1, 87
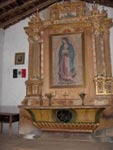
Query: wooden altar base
66, 127
83, 118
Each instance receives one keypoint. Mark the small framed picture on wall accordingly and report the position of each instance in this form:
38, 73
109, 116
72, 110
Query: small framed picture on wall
19, 58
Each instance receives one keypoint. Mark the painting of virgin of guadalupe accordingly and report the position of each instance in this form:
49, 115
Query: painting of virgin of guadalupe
66, 56
67, 67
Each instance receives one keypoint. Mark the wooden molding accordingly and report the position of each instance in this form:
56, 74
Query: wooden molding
27, 13
17, 8
3, 4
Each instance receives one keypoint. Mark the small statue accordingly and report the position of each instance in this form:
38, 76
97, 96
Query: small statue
104, 12
95, 10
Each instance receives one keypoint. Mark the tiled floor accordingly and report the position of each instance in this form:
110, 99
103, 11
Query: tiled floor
17, 142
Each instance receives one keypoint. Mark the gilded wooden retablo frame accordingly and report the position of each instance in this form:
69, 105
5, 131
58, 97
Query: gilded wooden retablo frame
87, 33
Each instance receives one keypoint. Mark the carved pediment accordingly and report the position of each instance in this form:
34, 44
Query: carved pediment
67, 10
75, 13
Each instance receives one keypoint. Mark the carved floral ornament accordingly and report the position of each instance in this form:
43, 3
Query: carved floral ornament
104, 85
77, 14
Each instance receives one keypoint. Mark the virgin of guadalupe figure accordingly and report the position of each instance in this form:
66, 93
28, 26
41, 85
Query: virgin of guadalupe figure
66, 56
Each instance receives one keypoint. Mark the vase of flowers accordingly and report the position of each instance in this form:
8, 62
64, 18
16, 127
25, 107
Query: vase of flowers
82, 96
49, 96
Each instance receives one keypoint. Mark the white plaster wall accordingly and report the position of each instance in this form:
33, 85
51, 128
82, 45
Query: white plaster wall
1, 56
13, 89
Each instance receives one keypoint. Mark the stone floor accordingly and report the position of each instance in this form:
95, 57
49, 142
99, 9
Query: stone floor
64, 142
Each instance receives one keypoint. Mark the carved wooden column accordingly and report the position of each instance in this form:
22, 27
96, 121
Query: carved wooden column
103, 77
100, 64
34, 82
102, 43
35, 63
97, 35
30, 58
102, 49
107, 52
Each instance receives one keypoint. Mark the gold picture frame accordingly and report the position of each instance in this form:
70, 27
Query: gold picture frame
67, 60
19, 58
